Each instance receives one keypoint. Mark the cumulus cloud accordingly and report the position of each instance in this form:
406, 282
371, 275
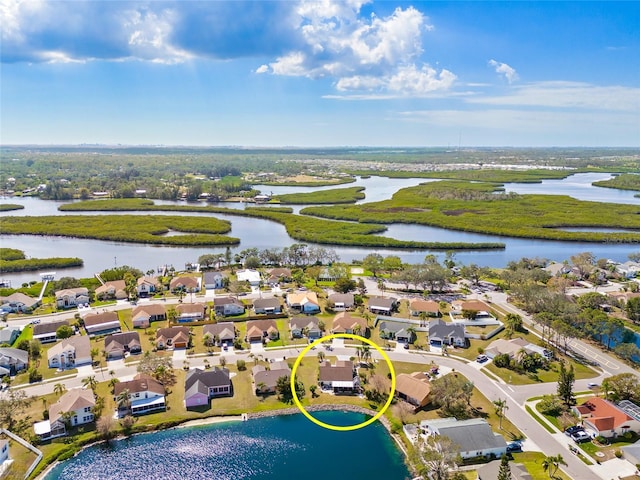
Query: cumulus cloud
504, 69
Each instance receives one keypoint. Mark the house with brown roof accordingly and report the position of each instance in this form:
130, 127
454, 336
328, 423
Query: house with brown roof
604, 418
279, 275
265, 381
305, 326
345, 323
101, 323
382, 305
267, 305
77, 403
202, 385
429, 308
342, 301
18, 302
147, 286
190, 312
185, 284
260, 330
228, 306
46, 332
338, 378
481, 310
143, 315
414, 388
144, 395
219, 333
173, 337
118, 344
72, 297
115, 289
70, 352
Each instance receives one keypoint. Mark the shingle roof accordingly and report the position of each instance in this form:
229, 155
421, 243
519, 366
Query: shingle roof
266, 303
420, 305
304, 322
51, 327
470, 435
341, 372
140, 383
415, 385
223, 329
177, 334
200, 380
344, 321
117, 341
71, 401
150, 309
80, 343
93, 319
21, 355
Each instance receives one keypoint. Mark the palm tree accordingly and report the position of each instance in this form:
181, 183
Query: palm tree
551, 464
59, 388
412, 333
123, 401
366, 354
90, 382
112, 383
320, 356
500, 407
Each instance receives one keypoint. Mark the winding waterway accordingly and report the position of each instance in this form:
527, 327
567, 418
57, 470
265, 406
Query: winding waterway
283, 447
261, 234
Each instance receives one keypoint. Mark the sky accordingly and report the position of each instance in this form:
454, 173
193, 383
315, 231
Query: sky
320, 73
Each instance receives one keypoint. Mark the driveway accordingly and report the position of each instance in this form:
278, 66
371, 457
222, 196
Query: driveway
257, 347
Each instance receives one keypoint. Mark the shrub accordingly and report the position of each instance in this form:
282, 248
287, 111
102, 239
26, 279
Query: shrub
502, 361
241, 364
34, 375
550, 405
618, 454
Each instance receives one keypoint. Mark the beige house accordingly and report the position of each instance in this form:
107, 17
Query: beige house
72, 409
143, 315
72, 297
345, 323
70, 352
112, 290
414, 388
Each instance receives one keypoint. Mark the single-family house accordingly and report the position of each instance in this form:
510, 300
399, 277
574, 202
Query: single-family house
473, 437
607, 419
147, 286
176, 337
101, 323
428, 308
342, 301
628, 269
511, 347
9, 335
46, 332
631, 453
143, 315
115, 289
339, 378
343, 322
260, 330
479, 309
144, 395
214, 280
202, 385
228, 306
382, 305
267, 305
4, 451
70, 352
442, 333
279, 275
72, 297
220, 333
557, 269
265, 381
13, 360
398, 331
303, 302
252, 277
190, 312
491, 471
18, 302
186, 284
73, 408
116, 345
414, 388
305, 326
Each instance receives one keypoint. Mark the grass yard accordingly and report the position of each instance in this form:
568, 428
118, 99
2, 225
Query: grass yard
533, 463
22, 459
514, 378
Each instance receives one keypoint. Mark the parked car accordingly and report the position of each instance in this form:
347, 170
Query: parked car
580, 437
481, 358
575, 429
593, 385
514, 447
406, 346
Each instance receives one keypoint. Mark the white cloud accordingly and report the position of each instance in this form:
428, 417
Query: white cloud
262, 69
504, 69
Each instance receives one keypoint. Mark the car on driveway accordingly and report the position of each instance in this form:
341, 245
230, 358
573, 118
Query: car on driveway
575, 429
580, 437
481, 358
514, 447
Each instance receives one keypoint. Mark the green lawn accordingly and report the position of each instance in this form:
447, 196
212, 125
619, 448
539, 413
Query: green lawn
533, 463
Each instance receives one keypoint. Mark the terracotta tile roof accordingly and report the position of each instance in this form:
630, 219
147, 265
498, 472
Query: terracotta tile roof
604, 414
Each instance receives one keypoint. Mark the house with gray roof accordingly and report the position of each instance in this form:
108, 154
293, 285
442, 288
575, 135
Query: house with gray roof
490, 471
227, 306
13, 360
342, 301
9, 335
202, 385
214, 280
473, 437
442, 333
19, 303
46, 332
116, 345
396, 331
265, 381
382, 305
225, 332
305, 326
267, 305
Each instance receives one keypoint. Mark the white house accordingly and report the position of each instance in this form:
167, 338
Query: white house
70, 352
214, 280
13, 360
606, 419
72, 297
227, 306
249, 275
145, 394
4, 451
147, 286
473, 437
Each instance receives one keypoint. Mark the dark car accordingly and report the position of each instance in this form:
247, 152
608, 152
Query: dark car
406, 346
575, 429
514, 447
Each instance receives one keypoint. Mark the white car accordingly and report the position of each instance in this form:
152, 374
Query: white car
592, 385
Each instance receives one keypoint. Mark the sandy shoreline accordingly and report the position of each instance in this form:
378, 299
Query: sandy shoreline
209, 421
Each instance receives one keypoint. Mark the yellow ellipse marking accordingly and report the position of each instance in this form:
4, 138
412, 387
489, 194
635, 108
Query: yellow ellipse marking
296, 400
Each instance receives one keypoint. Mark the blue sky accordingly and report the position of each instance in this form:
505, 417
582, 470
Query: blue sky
320, 73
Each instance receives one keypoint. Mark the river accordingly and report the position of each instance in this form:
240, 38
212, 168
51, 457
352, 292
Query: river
261, 234
283, 447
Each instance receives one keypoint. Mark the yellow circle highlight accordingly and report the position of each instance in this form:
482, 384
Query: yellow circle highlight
296, 400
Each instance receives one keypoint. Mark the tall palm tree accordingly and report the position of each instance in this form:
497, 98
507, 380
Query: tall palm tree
551, 463
412, 333
123, 401
366, 354
500, 407
90, 382
59, 388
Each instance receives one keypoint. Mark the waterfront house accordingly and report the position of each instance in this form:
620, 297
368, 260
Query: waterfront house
265, 381
342, 301
414, 388
9, 335
338, 378
143, 315
72, 297
628, 269
186, 284
116, 345
224, 332
114, 290
345, 323
190, 312
202, 385
267, 305
252, 277
73, 408
556, 269
607, 419
442, 333
145, 395
305, 326
428, 308
18, 302
228, 306
382, 305
176, 337
70, 352
147, 286
101, 323
46, 332
303, 302
259, 330
214, 280
473, 437
13, 360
